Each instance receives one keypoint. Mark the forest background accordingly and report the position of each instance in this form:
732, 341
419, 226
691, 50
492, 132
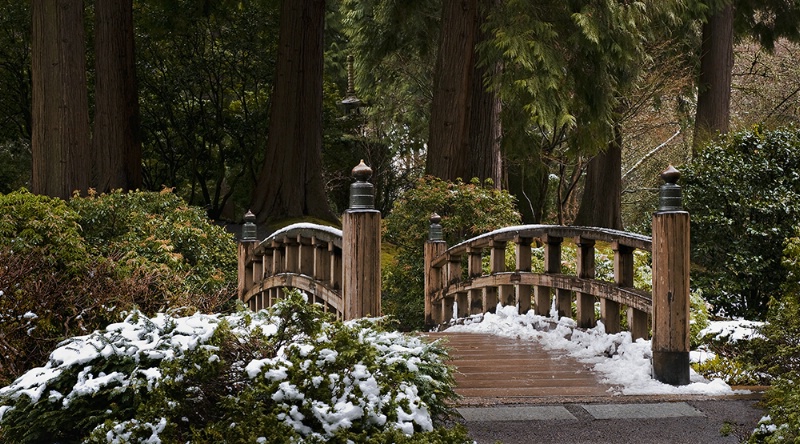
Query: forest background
574, 107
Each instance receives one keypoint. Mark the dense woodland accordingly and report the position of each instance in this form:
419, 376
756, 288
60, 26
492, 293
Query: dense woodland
574, 107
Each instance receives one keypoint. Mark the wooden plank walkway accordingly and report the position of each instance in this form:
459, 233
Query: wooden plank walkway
497, 370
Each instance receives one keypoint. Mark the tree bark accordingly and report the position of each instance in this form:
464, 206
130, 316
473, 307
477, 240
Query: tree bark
714, 85
602, 192
290, 182
60, 106
117, 148
464, 139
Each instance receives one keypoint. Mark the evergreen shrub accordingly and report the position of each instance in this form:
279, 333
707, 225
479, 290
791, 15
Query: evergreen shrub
467, 210
70, 267
743, 194
289, 374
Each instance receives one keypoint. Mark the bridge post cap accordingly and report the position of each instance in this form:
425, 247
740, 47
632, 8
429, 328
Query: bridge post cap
671, 175
670, 198
249, 229
362, 172
435, 232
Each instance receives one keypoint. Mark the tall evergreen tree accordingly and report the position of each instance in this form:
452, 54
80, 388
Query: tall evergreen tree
60, 109
117, 148
290, 182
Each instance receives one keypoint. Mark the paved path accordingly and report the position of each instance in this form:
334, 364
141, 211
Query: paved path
515, 392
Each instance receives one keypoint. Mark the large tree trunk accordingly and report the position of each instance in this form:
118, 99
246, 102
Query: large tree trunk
714, 85
464, 139
290, 182
60, 108
485, 132
600, 204
117, 149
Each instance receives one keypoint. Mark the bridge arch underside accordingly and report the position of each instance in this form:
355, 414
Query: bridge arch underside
481, 294
271, 289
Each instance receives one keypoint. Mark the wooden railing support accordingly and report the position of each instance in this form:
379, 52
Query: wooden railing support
247, 243
434, 246
361, 249
586, 270
671, 285
523, 252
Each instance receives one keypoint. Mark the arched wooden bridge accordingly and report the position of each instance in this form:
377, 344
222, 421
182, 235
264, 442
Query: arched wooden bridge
341, 271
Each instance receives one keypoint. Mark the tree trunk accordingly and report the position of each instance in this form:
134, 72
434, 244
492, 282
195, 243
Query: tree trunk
117, 149
600, 204
714, 85
290, 182
484, 160
60, 106
448, 142
464, 140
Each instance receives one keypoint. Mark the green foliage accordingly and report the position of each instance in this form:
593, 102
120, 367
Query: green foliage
743, 193
290, 374
698, 317
72, 267
782, 402
467, 209
158, 231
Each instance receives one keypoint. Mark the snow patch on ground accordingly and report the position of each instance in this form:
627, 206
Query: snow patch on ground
616, 358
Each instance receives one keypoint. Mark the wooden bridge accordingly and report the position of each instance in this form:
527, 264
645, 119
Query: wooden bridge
341, 271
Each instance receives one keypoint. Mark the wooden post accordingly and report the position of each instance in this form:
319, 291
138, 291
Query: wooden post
474, 269
671, 285
247, 245
434, 246
500, 293
586, 270
523, 253
361, 249
623, 277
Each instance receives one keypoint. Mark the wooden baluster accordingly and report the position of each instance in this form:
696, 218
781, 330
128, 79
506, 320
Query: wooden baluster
336, 266
306, 257
623, 277
292, 248
586, 270
552, 265
474, 269
454, 278
277, 258
497, 264
447, 308
322, 266
523, 253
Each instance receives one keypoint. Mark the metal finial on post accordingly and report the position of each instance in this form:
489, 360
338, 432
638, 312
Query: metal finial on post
362, 193
669, 196
435, 233
249, 229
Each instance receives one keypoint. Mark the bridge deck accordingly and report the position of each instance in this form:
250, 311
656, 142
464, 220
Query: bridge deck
493, 369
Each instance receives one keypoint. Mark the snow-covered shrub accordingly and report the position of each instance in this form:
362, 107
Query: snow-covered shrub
290, 374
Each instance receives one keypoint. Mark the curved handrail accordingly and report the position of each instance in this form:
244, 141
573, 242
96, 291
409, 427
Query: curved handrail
303, 229
507, 234
306, 283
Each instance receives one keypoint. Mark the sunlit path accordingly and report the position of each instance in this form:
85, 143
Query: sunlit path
493, 369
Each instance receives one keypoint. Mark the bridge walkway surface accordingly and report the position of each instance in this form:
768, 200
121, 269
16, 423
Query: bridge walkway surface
515, 391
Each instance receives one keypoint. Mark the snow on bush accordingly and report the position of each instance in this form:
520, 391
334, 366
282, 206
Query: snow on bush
284, 375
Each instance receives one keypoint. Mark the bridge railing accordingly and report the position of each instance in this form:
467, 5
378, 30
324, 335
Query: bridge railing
304, 256
339, 269
451, 292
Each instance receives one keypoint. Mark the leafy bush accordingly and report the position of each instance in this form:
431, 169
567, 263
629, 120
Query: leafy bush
289, 374
467, 209
69, 268
744, 197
